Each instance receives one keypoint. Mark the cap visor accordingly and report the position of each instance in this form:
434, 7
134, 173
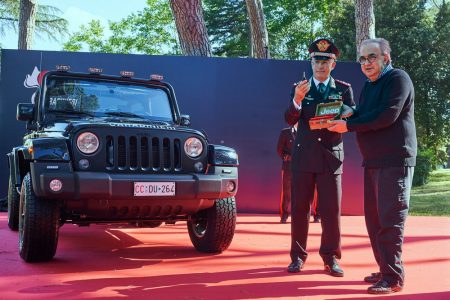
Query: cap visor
321, 57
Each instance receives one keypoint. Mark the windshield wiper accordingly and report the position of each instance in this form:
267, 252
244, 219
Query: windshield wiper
72, 112
123, 114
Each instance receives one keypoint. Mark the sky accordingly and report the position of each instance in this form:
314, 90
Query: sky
78, 12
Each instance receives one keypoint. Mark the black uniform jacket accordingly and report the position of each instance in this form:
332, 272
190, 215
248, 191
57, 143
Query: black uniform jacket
284, 147
319, 150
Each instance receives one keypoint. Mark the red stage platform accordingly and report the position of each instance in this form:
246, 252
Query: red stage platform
107, 262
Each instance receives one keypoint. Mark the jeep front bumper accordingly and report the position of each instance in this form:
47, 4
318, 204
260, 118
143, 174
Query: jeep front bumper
114, 186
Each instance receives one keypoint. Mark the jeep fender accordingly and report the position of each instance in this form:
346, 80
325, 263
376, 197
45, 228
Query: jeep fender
53, 149
219, 155
48, 149
18, 166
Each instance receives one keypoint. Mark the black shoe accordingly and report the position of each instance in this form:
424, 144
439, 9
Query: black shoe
283, 220
373, 278
295, 267
384, 287
316, 219
334, 269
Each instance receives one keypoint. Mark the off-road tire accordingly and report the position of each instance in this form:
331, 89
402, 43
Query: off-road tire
13, 207
38, 225
212, 230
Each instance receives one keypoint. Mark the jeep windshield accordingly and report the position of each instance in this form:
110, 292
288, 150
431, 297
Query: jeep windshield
79, 98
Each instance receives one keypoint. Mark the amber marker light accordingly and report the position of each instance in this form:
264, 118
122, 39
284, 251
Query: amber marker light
95, 71
62, 68
156, 77
126, 74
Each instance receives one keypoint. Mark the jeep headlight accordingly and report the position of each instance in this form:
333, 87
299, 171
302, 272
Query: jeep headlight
193, 147
87, 142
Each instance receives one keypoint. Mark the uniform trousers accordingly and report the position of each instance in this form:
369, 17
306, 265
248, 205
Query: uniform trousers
329, 196
386, 203
286, 176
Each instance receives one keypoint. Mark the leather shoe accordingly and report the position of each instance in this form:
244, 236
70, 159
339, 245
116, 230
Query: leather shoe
283, 220
334, 269
295, 267
384, 287
373, 277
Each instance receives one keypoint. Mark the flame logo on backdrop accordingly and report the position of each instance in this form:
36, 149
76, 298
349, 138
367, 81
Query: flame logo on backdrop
34, 81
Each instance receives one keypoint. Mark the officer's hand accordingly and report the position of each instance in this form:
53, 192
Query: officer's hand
339, 126
301, 90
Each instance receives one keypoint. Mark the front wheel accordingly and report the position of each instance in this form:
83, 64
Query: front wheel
212, 230
13, 207
38, 225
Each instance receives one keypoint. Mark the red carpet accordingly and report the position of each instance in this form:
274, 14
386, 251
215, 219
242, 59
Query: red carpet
107, 262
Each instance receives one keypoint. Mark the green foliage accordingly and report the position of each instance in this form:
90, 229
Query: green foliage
150, 31
292, 25
228, 27
422, 51
48, 20
423, 167
433, 198
340, 25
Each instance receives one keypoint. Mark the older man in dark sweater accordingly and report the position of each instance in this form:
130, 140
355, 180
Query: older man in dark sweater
386, 135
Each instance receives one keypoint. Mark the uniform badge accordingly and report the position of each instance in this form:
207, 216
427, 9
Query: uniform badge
323, 45
335, 97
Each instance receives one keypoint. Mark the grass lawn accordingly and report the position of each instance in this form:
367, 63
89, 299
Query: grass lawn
433, 198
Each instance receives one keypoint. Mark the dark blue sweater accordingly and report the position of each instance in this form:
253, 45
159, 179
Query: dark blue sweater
384, 121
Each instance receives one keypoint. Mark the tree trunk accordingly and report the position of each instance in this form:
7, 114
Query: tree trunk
27, 21
364, 21
258, 30
191, 28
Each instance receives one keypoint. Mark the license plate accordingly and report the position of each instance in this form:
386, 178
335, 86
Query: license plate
154, 188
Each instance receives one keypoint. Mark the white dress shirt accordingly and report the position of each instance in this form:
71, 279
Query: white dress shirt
316, 82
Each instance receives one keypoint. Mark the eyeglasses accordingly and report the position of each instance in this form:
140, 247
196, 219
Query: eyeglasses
369, 59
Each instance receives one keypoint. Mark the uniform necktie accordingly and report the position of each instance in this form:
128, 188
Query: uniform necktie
321, 88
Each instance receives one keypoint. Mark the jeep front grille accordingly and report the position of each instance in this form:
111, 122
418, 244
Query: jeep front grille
143, 153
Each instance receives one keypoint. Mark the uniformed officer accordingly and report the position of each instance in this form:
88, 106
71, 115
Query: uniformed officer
284, 148
317, 160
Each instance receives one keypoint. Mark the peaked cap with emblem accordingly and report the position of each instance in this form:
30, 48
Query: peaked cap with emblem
323, 49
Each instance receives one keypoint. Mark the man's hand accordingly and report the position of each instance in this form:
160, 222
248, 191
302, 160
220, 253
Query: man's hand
347, 111
339, 126
301, 90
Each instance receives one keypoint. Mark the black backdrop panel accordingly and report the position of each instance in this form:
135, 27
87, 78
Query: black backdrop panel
239, 102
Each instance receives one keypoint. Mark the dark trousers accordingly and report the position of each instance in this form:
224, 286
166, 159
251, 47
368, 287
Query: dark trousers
285, 201
329, 196
386, 204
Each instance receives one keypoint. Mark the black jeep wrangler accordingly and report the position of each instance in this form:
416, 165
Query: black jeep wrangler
115, 149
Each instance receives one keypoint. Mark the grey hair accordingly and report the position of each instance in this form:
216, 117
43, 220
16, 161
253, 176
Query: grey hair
382, 44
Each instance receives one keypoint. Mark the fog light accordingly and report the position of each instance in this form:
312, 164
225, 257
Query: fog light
56, 185
83, 164
198, 166
231, 186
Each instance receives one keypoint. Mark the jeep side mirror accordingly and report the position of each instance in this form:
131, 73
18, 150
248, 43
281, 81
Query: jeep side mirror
185, 120
25, 111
